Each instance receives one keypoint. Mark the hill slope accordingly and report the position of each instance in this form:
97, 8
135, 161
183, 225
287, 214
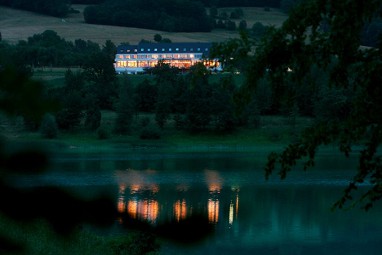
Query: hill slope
18, 25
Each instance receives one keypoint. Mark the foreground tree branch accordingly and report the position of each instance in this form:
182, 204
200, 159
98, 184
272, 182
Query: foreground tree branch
327, 34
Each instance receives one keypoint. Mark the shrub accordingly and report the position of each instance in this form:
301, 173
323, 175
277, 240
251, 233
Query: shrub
49, 127
102, 133
145, 121
150, 132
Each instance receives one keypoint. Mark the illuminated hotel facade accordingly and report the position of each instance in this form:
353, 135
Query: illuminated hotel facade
137, 58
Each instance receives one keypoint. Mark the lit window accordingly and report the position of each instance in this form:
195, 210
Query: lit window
192, 49
128, 50
198, 49
206, 49
184, 49
169, 49
177, 49
162, 49
155, 49
148, 49
142, 49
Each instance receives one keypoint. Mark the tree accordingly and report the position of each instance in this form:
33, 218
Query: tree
157, 38
69, 117
234, 53
63, 211
222, 104
145, 96
99, 69
92, 112
125, 108
165, 80
290, 52
49, 127
199, 93
242, 25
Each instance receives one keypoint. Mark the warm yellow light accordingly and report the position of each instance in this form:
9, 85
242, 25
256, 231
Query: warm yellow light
213, 211
180, 210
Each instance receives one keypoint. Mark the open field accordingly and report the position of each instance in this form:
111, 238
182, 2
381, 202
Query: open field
18, 25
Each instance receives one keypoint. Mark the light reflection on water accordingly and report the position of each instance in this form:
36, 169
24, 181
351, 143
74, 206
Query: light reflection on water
253, 218
250, 215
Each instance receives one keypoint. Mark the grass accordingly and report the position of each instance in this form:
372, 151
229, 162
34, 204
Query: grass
273, 132
19, 25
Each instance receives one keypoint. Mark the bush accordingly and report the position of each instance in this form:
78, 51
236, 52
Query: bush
102, 133
145, 121
150, 132
49, 127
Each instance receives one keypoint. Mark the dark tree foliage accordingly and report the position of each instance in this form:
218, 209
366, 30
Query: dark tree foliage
22, 96
145, 96
125, 108
199, 94
71, 98
57, 8
234, 53
243, 3
49, 49
166, 15
223, 105
165, 79
92, 112
87, 1
99, 70
299, 45
48, 128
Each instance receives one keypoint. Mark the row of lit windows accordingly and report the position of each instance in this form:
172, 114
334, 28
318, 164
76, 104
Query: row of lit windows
169, 49
159, 56
176, 63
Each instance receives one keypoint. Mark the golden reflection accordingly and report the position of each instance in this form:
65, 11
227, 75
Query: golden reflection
233, 207
147, 209
214, 181
136, 204
230, 215
121, 205
237, 204
213, 210
132, 208
180, 210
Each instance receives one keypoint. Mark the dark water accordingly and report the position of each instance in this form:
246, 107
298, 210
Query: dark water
249, 215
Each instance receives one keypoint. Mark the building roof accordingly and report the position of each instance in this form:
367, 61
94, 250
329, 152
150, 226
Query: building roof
146, 48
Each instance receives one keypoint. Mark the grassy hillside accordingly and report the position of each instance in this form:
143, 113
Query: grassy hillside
18, 25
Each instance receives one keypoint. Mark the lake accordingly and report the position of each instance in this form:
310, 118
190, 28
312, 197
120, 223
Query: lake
249, 215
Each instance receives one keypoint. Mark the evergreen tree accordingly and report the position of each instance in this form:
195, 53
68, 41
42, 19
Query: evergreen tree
100, 71
198, 112
125, 108
145, 96
165, 79
48, 128
222, 104
71, 97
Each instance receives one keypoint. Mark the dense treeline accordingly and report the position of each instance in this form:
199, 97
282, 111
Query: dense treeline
243, 3
167, 15
87, 1
192, 102
57, 8
49, 49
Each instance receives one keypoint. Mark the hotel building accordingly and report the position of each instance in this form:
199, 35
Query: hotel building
137, 58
